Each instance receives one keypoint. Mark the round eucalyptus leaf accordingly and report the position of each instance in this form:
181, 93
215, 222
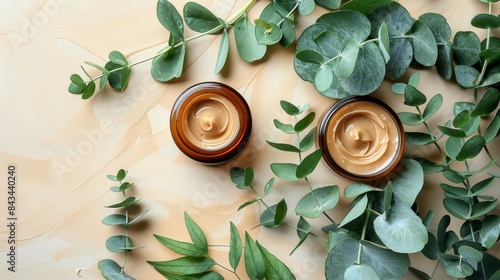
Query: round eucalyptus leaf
111, 270
466, 75
485, 21
248, 47
201, 19
329, 43
418, 138
340, 257
89, 90
329, 4
438, 25
461, 106
356, 211
472, 255
413, 96
397, 18
401, 229
347, 24
488, 103
433, 106
344, 65
492, 54
444, 63
458, 269
323, 79
285, 171
481, 208
461, 119
388, 264
306, 70
424, 44
362, 271
401, 53
169, 65
410, 119
320, 200
408, 182
369, 68
288, 30
114, 243
306, 7
471, 148
364, 6
114, 220
358, 188
170, 18
77, 85
267, 33
118, 58
453, 145
490, 231
466, 48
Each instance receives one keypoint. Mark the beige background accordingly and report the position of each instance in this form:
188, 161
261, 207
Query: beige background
63, 147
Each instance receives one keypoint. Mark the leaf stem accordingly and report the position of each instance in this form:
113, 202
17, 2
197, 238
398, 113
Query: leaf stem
227, 269
125, 252
365, 226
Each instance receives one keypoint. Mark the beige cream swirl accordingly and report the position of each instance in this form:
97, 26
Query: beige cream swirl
211, 121
363, 138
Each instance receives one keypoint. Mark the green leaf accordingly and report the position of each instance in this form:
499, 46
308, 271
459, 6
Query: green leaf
457, 208
410, 119
289, 108
195, 232
274, 215
115, 220
125, 203
437, 23
414, 79
401, 53
238, 177
424, 44
250, 202
429, 167
180, 247
398, 88
308, 164
208, 275
347, 23
170, 64
362, 271
384, 41
308, 141
461, 119
284, 147
444, 63
200, 19
248, 47
433, 106
235, 246
286, 128
345, 63
281, 210
274, 268
471, 148
482, 208
387, 197
110, 270
364, 6
418, 138
466, 48
487, 104
452, 146
303, 123
121, 174
454, 190
89, 90
286, 171
303, 230
462, 106
451, 131
490, 231
306, 7
329, 43
413, 97
320, 200
358, 210
118, 58
254, 262
267, 33
310, 56
136, 219
492, 130
472, 255
485, 21
466, 76
77, 85
323, 79
184, 265
358, 188
408, 182
453, 175
223, 52
249, 175
268, 187
125, 186
401, 230
116, 242
170, 18
458, 269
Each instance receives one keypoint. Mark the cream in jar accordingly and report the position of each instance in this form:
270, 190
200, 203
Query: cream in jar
361, 137
210, 122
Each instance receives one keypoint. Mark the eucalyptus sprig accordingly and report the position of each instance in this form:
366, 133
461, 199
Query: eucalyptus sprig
375, 238
463, 254
196, 262
109, 268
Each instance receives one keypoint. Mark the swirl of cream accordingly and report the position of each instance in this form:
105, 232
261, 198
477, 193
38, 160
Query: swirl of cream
363, 138
212, 121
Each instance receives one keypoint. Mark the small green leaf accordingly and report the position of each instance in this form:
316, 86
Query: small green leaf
487, 104
424, 44
267, 33
461, 119
401, 230
490, 231
454, 190
201, 19
268, 187
89, 90
235, 246
303, 123
303, 230
320, 200
308, 164
482, 208
429, 167
310, 56
452, 146
274, 268
77, 85
358, 188
308, 141
384, 43
284, 147
398, 88
274, 215
170, 18
457, 208
195, 232
116, 242
286, 128
324, 78
408, 182
121, 174
482, 186
410, 119
444, 63
451, 131
437, 23
136, 219
110, 270
180, 247
170, 64
453, 176
466, 48
125, 186
419, 138
387, 197
184, 265
249, 175
472, 255
118, 58
125, 203
471, 148
250, 202
413, 97
254, 262
289, 108
493, 129
458, 269
238, 177
223, 51
115, 220
485, 21
286, 171
345, 63
362, 271
248, 47
466, 75
358, 210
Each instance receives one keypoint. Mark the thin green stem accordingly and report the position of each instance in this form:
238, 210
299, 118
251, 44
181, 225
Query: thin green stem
434, 139
125, 252
365, 226
227, 269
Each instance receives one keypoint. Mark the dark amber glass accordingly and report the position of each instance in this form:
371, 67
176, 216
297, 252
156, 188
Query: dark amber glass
241, 122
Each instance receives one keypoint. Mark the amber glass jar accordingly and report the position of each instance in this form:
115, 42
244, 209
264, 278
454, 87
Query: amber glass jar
210, 122
362, 138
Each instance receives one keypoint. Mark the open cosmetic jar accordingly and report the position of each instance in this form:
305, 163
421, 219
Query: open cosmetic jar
362, 138
210, 122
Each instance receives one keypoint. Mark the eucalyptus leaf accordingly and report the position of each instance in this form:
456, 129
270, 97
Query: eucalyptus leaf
364, 6
238, 177
345, 63
223, 52
320, 200
408, 182
487, 104
424, 44
428, 166
289, 108
358, 210
444, 62
413, 96
274, 268
492, 130
308, 164
170, 18
201, 19
129, 201
89, 90
110, 270
419, 138
249, 175
303, 123
454, 190
482, 208
384, 42
274, 215
401, 56
267, 33
329, 4
195, 232
347, 24
452, 131
490, 231
457, 208
362, 271
397, 18
431, 248
286, 171
471, 148
466, 75
286, 128
485, 21
235, 246
303, 230
453, 145
118, 58
180, 247
184, 265
284, 147
308, 141
401, 230
254, 262
466, 48
387, 197
116, 242
358, 188
323, 79
115, 220
170, 64
461, 119
77, 85
472, 255
439, 26
410, 119
248, 47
